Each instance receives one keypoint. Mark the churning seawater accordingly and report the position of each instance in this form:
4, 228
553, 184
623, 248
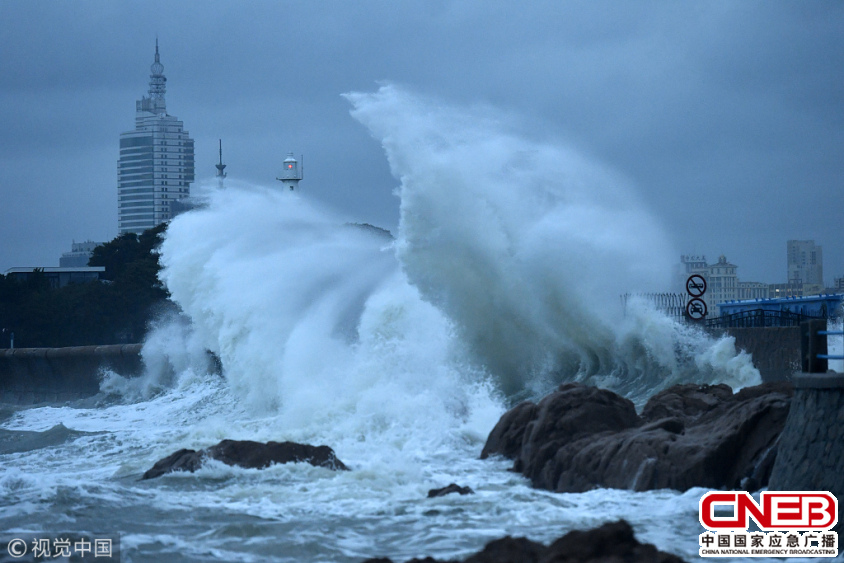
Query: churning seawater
400, 354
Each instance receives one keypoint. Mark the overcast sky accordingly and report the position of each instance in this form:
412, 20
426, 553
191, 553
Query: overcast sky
727, 117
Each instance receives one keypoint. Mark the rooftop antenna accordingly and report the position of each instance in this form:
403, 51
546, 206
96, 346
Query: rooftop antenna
157, 80
221, 168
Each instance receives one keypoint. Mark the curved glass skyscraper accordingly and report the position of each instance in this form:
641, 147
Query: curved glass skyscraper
156, 165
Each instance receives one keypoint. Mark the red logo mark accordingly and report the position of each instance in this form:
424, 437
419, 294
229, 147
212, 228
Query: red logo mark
780, 510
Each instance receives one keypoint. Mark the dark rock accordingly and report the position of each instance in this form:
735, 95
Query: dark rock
414, 560
685, 401
507, 550
761, 473
182, 460
566, 416
507, 436
572, 412
608, 543
580, 438
452, 488
256, 455
613, 541
248, 454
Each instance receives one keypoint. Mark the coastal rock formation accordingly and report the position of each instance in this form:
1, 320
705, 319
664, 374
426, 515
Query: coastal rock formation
452, 488
611, 542
248, 454
580, 438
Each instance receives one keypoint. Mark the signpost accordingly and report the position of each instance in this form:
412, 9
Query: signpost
696, 285
696, 307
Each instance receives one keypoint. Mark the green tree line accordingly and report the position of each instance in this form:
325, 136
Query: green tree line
116, 310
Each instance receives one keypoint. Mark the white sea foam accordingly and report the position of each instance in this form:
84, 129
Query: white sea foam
313, 320
171, 352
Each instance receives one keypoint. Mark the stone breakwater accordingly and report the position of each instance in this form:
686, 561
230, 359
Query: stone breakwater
56, 375
811, 449
580, 438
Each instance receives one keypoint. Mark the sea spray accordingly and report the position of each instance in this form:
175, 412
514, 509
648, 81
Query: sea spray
661, 352
316, 325
273, 285
171, 350
526, 247
504, 279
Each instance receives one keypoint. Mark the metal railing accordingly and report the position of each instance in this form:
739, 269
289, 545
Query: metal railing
671, 304
757, 318
831, 333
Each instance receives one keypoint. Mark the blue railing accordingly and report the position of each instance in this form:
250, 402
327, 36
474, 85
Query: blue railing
757, 318
814, 349
830, 333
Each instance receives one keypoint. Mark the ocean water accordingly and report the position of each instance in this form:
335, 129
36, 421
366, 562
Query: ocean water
399, 353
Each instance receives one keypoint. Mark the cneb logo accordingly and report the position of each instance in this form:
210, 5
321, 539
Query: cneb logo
780, 510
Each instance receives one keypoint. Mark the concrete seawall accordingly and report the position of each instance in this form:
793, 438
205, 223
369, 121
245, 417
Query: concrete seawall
37, 375
810, 452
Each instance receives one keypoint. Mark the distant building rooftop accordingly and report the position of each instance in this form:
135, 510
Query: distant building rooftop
59, 277
79, 254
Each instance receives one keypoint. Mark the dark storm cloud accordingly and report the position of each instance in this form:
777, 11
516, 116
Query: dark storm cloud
727, 116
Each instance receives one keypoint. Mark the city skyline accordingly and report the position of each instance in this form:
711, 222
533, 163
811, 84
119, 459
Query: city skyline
804, 263
725, 118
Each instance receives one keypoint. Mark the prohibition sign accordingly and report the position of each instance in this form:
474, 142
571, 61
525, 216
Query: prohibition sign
696, 309
696, 285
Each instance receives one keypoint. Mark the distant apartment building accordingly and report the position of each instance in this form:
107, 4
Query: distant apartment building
722, 283
156, 165
80, 253
780, 290
805, 263
753, 290
691, 264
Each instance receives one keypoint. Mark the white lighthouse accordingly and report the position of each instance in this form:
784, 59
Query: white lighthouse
291, 172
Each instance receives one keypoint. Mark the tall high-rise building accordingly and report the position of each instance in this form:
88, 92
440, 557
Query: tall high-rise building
156, 165
805, 262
